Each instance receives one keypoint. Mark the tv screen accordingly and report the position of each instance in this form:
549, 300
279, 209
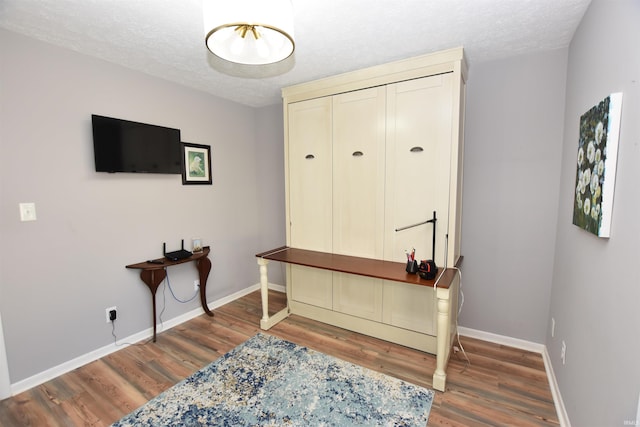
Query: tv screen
126, 146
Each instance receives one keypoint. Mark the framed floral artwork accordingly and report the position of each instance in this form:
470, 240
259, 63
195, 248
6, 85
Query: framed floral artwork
196, 164
596, 166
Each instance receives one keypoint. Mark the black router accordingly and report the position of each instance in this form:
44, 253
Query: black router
175, 255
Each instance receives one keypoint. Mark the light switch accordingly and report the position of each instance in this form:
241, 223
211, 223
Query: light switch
27, 211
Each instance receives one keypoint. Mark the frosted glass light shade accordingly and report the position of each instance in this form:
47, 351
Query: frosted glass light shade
250, 32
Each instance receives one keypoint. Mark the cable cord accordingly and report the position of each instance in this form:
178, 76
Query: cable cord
113, 324
115, 338
164, 306
464, 353
164, 299
174, 295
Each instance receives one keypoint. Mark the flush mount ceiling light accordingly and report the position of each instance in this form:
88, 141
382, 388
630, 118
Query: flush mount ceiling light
253, 32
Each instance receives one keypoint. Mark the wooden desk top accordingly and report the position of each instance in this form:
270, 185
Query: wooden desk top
145, 265
376, 268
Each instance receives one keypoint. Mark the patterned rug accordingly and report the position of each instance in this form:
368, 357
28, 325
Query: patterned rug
267, 381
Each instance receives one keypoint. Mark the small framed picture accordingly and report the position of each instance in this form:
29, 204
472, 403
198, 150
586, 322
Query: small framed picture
196, 245
196, 164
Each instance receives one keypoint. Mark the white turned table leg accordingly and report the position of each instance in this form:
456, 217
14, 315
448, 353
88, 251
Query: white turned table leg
264, 292
267, 322
443, 338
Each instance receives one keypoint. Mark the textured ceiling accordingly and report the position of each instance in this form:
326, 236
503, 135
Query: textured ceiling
165, 38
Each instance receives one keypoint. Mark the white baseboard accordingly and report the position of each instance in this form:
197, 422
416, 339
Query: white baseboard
5, 384
502, 339
563, 417
63, 368
274, 287
638, 412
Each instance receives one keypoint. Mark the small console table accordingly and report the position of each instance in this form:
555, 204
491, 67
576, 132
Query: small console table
153, 273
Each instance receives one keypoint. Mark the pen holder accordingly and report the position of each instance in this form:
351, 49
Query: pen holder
412, 267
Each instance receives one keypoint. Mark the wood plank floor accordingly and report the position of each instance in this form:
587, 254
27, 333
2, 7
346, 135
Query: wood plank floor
501, 386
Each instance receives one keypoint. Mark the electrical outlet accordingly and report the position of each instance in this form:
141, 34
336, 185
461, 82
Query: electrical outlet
196, 285
108, 312
563, 352
553, 327
27, 211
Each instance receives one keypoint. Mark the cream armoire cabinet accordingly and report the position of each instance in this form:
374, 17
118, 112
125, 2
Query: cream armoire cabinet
369, 157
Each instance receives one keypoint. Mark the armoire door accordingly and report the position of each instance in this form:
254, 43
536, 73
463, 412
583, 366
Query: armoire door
358, 174
418, 143
310, 195
310, 170
358, 196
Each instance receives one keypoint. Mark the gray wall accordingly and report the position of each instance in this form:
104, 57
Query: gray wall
596, 285
270, 152
59, 273
513, 142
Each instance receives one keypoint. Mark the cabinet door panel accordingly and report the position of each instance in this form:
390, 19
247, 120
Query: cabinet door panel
312, 286
358, 175
309, 175
358, 296
410, 307
418, 165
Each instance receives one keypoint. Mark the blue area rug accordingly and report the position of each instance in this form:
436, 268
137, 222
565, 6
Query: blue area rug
267, 381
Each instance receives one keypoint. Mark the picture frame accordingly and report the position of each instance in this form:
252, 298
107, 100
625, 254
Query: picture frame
196, 245
196, 164
596, 166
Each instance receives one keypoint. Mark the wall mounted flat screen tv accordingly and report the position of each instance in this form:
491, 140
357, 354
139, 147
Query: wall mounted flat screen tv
126, 146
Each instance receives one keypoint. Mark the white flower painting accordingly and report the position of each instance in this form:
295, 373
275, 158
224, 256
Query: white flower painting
596, 166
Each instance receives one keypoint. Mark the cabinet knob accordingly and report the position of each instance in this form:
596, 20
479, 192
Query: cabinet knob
358, 154
417, 149
309, 156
